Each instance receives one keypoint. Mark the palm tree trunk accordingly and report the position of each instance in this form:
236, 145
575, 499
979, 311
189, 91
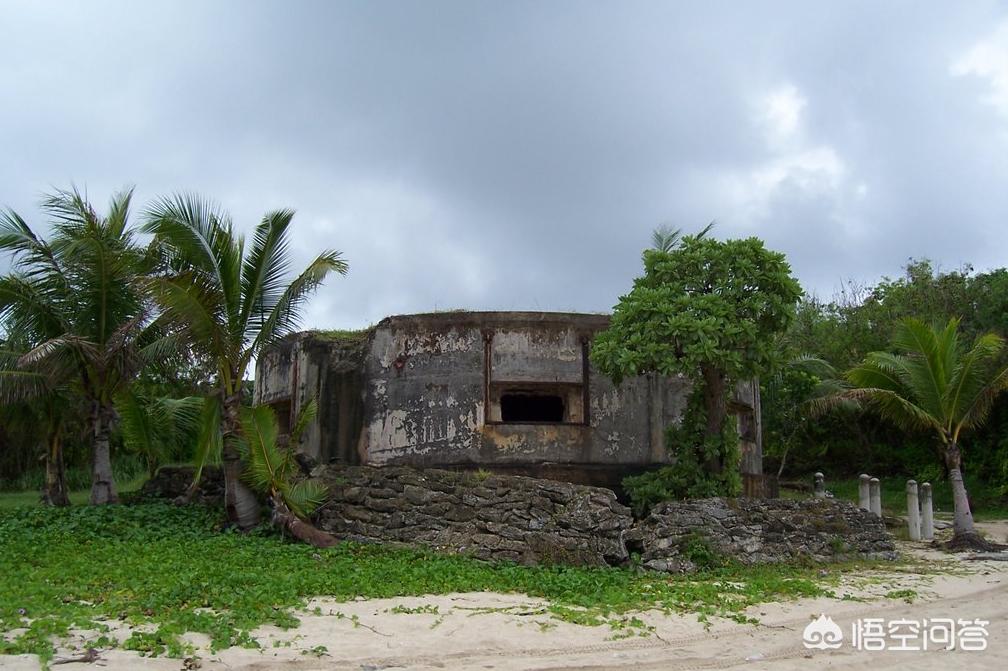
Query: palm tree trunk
305, 532
962, 523
240, 502
103, 488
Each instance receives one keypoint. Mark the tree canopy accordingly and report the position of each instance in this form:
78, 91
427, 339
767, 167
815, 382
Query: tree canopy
710, 310
704, 303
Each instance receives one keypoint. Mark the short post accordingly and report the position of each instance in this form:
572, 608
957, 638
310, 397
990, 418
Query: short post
819, 490
927, 512
875, 496
913, 511
864, 496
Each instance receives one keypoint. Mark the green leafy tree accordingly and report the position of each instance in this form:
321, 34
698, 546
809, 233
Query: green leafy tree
233, 302
935, 383
79, 300
705, 308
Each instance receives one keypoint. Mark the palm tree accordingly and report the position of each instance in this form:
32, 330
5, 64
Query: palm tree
665, 238
158, 428
233, 303
273, 471
78, 298
36, 413
935, 383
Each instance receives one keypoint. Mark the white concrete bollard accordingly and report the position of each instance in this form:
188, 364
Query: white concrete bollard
864, 496
913, 511
875, 496
819, 486
927, 512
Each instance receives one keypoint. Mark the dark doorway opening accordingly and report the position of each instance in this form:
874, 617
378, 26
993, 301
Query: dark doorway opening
532, 408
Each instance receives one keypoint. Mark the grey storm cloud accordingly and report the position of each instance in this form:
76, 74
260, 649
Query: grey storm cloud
516, 155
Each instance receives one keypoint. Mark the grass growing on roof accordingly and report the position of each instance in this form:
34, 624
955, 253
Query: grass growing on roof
174, 569
344, 335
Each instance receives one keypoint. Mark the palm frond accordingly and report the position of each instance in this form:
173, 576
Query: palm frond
307, 415
285, 315
17, 386
979, 404
898, 410
160, 429
665, 239
265, 471
304, 497
924, 370
30, 308
265, 267
813, 365
198, 308
210, 441
971, 374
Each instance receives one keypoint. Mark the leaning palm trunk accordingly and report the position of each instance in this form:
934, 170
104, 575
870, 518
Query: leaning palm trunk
305, 532
240, 502
103, 488
54, 493
962, 520
272, 466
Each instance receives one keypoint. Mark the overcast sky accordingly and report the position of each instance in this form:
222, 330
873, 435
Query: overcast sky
512, 155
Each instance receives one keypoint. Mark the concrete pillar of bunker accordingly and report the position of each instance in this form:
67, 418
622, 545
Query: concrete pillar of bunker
875, 496
913, 511
927, 512
864, 492
820, 486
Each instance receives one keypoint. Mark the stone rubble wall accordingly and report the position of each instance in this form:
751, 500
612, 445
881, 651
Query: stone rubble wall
497, 517
759, 531
536, 521
171, 482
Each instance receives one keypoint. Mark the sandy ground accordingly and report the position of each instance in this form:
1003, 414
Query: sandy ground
509, 632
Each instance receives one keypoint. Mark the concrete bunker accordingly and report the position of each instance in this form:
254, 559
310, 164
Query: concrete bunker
510, 392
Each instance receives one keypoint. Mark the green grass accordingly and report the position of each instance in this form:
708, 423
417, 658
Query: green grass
79, 497
174, 569
344, 335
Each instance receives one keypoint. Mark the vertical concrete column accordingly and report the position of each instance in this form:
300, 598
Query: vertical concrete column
819, 487
875, 496
863, 490
927, 512
913, 510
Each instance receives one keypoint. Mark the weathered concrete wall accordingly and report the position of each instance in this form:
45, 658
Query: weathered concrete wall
433, 387
313, 365
430, 390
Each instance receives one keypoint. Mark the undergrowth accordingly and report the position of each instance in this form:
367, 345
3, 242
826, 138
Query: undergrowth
164, 570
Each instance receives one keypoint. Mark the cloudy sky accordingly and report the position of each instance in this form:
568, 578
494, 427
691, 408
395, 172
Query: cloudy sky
513, 155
